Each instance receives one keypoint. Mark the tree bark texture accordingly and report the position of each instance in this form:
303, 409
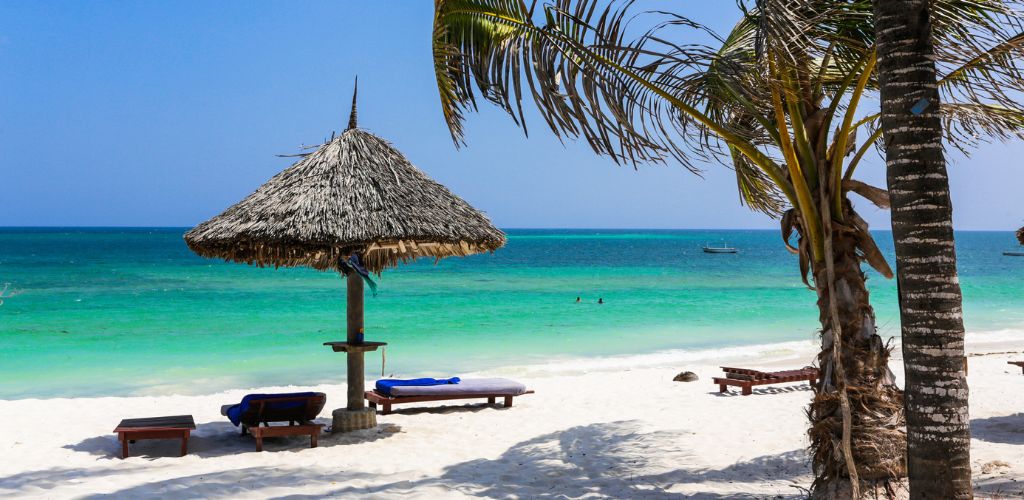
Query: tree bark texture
938, 433
877, 437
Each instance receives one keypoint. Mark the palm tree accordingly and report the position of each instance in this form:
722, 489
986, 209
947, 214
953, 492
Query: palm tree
780, 100
931, 305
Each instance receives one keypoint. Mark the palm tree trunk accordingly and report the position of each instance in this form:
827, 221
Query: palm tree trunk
876, 405
938, 433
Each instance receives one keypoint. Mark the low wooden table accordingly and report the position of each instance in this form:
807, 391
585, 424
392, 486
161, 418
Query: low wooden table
175, 427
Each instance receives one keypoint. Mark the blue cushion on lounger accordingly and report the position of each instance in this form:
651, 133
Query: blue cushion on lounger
235, 412
386, 385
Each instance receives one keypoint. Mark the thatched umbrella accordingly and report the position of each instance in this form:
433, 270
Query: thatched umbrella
355, 200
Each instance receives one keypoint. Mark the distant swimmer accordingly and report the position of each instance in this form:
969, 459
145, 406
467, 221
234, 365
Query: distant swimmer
600, 301
577, 300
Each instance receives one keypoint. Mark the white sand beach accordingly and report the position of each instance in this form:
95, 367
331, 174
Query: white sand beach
615, 428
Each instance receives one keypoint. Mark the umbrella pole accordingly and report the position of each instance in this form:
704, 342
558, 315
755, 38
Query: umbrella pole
356, 415
356, 358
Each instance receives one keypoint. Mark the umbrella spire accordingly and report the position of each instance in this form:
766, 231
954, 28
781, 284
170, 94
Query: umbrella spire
352, 117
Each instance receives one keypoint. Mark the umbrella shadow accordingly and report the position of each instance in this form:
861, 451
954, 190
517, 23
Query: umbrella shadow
1008, 429
217, 439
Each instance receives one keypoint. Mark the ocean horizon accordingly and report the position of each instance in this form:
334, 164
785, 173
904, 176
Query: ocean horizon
97, 311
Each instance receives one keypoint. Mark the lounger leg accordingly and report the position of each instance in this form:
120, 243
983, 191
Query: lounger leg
184, 443
243, 429
747, 390
508, 401
259, 438
124, 447
386, 410
721, 388
490, 400
313, 437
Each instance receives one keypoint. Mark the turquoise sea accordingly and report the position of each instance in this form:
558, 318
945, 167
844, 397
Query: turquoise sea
104, 311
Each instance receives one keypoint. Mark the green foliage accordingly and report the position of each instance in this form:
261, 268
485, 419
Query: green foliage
777, 99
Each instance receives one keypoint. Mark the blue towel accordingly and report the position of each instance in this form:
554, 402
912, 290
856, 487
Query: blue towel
384, 385
235, 412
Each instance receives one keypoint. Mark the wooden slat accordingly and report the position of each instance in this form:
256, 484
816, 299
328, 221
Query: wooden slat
746, 378
744, 371
157, 423
740, 376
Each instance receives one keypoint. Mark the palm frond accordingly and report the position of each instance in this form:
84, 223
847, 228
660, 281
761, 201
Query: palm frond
755, 189
656, 95
569, 65
966, 125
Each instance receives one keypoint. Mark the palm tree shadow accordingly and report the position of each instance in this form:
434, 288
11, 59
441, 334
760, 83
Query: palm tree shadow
617, 459
999, 488
217, 439
1007, 429
607, 460
19, 485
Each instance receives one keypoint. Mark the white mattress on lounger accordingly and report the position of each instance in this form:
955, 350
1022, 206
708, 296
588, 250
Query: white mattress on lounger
467, 387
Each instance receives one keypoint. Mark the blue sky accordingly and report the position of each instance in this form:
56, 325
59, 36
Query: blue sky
165, 113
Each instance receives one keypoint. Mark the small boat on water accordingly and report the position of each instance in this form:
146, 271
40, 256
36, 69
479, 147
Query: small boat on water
1014, 254
722, 249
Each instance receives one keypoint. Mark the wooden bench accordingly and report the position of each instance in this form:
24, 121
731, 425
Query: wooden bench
375, 398
746, 379
1017, 363
174, 427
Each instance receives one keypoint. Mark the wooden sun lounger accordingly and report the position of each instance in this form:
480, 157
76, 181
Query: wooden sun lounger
299, 418
746, 379
375, 398
1018, 363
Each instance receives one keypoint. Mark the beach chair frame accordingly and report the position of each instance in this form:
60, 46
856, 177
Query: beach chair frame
386, 402
746, 379
299, 419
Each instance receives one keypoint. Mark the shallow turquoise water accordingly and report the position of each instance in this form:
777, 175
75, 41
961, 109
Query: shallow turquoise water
133, 311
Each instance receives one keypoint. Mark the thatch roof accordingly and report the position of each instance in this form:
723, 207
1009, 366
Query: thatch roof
354, 194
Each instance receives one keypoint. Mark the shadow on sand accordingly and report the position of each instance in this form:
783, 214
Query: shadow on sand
1008, 429
446, 409
217, 439
765, 391
998, 489
613, 459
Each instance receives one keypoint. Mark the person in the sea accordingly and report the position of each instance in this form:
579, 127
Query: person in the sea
600, 301
577, 300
